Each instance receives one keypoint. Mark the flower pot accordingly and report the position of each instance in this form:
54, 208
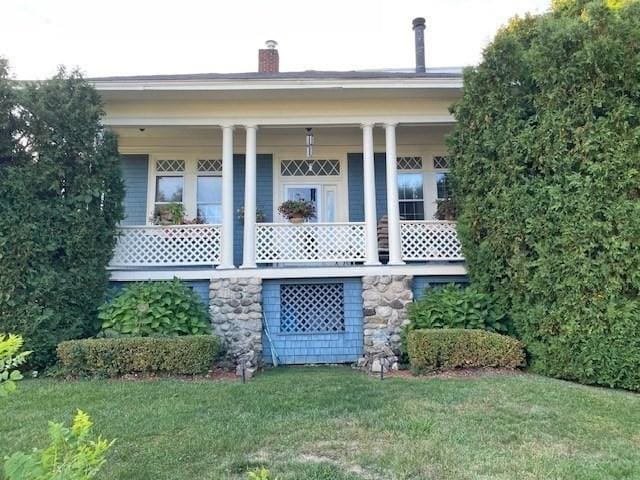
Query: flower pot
296, 219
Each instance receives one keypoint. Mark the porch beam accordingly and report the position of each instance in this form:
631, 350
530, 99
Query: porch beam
226, 259
370, 217
249, 245
393, 207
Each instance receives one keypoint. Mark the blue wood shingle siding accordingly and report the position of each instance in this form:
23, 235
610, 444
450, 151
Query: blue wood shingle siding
322, 347
421, 285
201, 287
135, 173
264, 196
355, 182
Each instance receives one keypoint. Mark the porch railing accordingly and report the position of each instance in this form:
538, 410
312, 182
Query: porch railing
310, 242
430, 240
167, 245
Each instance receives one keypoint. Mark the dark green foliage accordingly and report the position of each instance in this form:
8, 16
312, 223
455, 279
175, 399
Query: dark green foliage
60, 201
110, 357
453, 306
546, 165
461, 348
155, 308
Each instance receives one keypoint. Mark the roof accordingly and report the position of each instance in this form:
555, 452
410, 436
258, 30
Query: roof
431, 73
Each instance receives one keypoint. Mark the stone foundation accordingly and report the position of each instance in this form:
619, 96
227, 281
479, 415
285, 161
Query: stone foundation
236, 317
385, 300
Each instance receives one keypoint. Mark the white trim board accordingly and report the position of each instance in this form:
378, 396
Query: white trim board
424, 270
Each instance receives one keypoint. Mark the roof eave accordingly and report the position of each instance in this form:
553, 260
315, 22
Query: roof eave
278, 84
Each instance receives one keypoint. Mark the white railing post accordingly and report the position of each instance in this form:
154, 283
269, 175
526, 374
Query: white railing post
370, 218
226, 261
393, 207
249, 246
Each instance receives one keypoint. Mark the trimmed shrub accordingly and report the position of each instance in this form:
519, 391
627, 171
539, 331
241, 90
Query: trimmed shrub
546, 172
155, 308
110, 357
461, 348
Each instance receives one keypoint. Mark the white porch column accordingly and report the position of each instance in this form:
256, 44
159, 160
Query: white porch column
393, 208
371, 221
226, 260
249, 246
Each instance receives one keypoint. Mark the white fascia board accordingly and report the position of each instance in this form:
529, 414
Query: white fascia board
433, 269
274, 121
299, 84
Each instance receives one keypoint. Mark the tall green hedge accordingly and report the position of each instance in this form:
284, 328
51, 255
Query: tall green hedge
546, 166
60, 200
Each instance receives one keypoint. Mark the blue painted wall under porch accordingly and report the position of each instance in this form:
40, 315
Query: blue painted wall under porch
321, 347
201, 287
421, 285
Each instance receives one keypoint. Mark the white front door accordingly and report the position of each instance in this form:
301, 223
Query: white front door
322, 196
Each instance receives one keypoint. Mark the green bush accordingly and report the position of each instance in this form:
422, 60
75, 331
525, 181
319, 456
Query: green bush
546, 172
10, 360
110, 357
155, 308
453, 306
461, 348
60, 201
71, 455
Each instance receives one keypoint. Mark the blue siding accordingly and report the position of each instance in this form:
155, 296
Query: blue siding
355, 182
421, 284
264, 196
135, 174
201, 287
329, 347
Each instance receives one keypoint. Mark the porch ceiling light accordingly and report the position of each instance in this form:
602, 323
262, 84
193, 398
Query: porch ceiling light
309, 142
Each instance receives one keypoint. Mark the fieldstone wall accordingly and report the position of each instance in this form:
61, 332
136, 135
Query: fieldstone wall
385, 300
236, 316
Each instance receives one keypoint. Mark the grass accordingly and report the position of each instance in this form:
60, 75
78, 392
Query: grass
338, 424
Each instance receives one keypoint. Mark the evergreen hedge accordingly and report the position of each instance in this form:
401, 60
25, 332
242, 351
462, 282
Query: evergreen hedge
60, 201
546, 170
447, 348
110, 357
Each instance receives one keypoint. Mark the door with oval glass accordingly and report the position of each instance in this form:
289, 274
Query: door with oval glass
322, 196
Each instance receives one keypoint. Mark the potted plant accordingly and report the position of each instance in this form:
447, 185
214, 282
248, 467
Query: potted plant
297, 211
170, 214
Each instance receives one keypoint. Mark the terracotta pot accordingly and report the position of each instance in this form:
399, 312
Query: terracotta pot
296, 219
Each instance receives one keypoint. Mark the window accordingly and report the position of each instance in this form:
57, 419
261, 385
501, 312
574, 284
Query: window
209, 199
409, 163
169, 183
443, 189
411, 196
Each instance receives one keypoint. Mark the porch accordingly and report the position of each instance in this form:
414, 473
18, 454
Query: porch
370, 212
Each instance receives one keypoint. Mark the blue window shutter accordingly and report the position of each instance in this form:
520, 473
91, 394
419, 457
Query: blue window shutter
264, 196
355, 181
135, 173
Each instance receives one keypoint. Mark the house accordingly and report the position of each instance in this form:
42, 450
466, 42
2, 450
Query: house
228, 149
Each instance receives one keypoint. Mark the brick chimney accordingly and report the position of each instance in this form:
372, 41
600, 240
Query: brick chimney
268, 58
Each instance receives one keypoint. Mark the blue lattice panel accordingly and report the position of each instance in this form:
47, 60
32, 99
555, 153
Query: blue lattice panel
314, 321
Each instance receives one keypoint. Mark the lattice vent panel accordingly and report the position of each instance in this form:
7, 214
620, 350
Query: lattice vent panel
210, 166
441, 162
312, 308
309, 168
409, 163
169, 165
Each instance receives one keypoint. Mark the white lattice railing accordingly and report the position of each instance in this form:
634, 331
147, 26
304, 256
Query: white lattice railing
310, 242
430, 240
167, 245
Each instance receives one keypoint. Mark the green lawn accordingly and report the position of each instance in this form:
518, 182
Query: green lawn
338, 424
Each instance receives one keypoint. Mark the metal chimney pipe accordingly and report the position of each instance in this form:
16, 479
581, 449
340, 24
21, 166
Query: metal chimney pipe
418, 29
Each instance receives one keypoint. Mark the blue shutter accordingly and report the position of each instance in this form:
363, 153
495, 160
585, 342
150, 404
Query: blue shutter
355, 181
135, 174
264, 196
